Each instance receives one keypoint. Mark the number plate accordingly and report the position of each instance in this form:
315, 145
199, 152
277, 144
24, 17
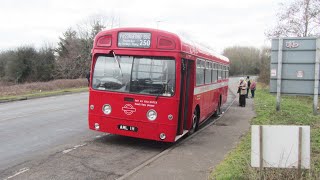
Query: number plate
134, 39
127, 128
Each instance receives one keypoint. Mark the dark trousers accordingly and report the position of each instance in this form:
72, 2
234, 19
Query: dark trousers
247, 95
242, 100
252, 93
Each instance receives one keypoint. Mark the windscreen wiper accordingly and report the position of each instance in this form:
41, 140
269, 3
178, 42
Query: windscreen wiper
163, 89
115, 58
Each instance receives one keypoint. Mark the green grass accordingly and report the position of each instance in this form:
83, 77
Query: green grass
294, 111
38, 94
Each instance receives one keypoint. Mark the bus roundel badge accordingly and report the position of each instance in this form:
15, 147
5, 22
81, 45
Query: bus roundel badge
128, 109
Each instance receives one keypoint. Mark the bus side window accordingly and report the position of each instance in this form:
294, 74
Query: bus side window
223, 75
211, 67
219, 72
228, 72
207, 73
200, 72
214, 73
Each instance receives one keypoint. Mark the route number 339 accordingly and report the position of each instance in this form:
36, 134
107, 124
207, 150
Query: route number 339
144, 42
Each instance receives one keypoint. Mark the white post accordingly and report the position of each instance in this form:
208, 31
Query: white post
299, 152
261, 151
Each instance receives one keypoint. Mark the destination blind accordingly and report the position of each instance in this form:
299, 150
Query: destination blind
134, 39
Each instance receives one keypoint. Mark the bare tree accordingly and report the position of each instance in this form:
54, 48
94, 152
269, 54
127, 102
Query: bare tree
74, 48
86, 27
300, 18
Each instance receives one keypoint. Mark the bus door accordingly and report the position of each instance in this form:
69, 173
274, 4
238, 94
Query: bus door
186, 95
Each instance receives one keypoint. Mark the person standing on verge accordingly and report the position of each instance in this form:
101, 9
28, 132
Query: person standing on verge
88, 77
253, 88
242, 92
248, 86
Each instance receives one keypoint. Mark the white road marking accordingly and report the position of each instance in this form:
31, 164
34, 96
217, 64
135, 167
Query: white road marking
74, 147
66, 151
99, 136
19, 172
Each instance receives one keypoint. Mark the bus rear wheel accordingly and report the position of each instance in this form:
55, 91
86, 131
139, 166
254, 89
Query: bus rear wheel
195, 121
218, 111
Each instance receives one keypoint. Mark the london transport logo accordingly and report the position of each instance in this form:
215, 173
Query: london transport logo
128, 109
292, 44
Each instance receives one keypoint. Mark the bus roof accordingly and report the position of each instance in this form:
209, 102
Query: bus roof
182, 44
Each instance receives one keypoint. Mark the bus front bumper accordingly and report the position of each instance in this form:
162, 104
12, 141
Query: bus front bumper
138, 129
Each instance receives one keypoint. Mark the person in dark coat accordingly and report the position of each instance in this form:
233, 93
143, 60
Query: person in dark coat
88, 78
248, 86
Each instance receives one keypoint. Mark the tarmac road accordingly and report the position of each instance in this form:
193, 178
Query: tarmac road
39, 126
48, 138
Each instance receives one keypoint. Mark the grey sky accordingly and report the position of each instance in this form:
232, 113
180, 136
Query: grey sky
218, 24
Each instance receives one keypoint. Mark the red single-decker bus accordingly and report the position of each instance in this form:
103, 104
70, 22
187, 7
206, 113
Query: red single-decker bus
152, 84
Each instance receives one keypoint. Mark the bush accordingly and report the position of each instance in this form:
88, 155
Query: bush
26, 64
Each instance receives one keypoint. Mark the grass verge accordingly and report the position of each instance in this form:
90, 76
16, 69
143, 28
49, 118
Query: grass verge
42, 94
294, 111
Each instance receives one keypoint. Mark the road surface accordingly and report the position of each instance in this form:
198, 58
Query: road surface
37, 126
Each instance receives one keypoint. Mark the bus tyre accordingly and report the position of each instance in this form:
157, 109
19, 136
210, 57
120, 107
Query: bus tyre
218, 111
194, 126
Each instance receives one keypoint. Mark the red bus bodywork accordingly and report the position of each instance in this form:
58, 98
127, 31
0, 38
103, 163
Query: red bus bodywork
174, 114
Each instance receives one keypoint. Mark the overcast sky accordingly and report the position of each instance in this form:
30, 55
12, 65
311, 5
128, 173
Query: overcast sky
219, 24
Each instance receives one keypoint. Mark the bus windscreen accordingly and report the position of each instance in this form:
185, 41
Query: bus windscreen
139, 75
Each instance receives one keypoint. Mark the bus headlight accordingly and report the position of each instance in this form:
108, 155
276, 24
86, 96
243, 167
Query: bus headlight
152, 115
106, 109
